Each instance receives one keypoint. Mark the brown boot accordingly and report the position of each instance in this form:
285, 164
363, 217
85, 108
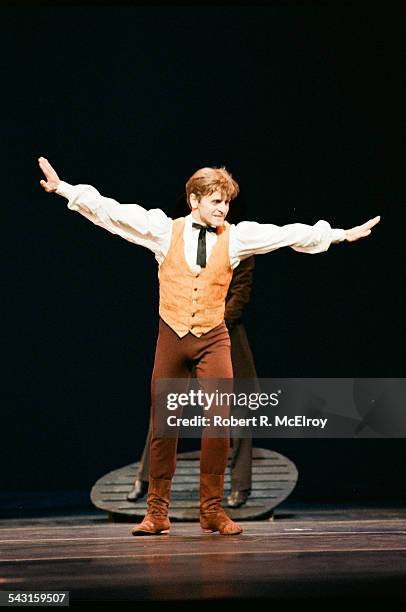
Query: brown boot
156, 521
212, 516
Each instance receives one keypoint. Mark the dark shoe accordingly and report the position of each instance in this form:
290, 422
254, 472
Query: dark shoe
212, 516
236, 499
156, 521
139, 489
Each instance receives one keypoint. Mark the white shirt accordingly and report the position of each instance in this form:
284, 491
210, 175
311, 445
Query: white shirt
152, 229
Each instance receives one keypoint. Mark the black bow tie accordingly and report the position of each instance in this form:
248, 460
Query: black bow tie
201, 244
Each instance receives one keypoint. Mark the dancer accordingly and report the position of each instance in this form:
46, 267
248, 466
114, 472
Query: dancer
196, 256
242, 361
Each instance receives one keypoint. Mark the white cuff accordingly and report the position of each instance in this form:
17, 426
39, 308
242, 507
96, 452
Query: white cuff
64, 189
337, 235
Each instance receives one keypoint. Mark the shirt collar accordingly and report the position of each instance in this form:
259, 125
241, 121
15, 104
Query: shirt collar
189, 219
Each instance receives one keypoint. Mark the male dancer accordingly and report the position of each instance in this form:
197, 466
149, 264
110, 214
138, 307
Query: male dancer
238, 296
192, 298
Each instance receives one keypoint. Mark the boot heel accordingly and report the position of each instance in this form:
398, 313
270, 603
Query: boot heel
212, 516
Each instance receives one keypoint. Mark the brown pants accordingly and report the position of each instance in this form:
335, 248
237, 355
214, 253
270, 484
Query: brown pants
174, 358
241, 461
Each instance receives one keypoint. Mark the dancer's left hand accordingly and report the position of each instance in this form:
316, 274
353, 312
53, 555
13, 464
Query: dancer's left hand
361, 231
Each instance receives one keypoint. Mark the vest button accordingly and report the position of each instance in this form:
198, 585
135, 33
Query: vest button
193, 314
195, 289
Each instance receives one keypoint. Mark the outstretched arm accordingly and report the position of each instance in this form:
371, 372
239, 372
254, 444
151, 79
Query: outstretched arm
149, 228
250, 238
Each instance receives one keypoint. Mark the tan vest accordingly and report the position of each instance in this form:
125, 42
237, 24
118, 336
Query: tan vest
194, 301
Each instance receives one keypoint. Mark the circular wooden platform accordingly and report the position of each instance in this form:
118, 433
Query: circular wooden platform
273, 478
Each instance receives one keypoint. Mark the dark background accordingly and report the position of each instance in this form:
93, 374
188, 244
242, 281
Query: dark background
305, 105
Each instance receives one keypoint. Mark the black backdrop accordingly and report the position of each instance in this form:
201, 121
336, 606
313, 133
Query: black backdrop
305, 105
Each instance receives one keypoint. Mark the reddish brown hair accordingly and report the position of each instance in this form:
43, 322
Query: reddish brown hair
208, 180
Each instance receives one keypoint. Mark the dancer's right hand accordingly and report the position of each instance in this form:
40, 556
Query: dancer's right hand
52, 179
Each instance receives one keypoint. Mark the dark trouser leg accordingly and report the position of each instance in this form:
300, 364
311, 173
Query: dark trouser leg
241, 464
215, 363
170, 362
244, 367
143, 468
140, 484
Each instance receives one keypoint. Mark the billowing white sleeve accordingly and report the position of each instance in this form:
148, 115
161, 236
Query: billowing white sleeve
251, 238
151, 229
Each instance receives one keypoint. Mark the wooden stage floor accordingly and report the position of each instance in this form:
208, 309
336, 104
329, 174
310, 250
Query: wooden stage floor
316, 555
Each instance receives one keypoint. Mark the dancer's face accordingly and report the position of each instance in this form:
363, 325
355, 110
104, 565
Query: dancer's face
210, 209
